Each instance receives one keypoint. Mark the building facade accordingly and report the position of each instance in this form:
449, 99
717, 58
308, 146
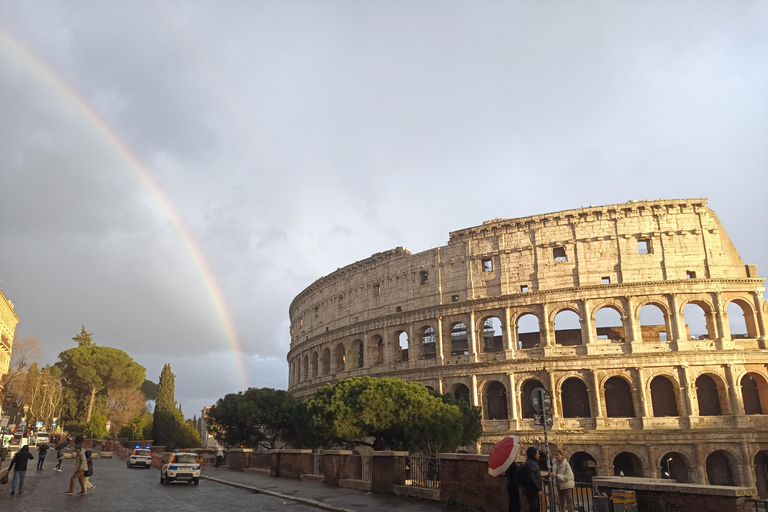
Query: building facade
640, 319
8, 321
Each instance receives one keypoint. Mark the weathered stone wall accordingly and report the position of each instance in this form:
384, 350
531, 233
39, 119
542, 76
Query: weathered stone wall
632, 391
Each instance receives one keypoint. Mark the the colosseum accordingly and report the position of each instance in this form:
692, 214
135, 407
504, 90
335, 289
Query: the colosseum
640, 318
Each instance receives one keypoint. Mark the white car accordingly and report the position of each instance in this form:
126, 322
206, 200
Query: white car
140, 457
181, 467
41, 437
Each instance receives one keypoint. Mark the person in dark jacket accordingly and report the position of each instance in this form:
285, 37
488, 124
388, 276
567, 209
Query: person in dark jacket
513, 486
19, 462
42, 450
530, 479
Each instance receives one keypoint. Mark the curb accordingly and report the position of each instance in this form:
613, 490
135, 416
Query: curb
256, 490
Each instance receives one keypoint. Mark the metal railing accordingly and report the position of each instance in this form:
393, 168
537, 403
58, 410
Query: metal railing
359, 467
582, 497
758, 505
421, 472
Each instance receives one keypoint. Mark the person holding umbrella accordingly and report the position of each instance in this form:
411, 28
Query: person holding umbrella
60, 454
502, 460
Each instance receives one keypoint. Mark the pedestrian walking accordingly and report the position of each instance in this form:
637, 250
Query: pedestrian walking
81, 464
19, 462
219, 457
513, 486
3, 453
530, 479
565, 482
59, 458
88, 472
42, 451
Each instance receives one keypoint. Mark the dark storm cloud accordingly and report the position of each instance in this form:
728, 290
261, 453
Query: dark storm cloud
296, 137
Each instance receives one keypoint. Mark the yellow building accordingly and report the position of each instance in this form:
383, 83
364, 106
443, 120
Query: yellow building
8, 321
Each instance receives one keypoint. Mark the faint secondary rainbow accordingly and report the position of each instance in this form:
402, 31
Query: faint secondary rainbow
39, 68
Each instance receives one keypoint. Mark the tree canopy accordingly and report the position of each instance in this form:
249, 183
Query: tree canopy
257, 417
92, 369
391, 414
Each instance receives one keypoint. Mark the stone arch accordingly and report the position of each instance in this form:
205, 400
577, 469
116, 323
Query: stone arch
583, 465
493, 334
627, 463
648, 315
459, 339
664, 395
761, 473
403, 345
677, 466
340, 358
619, 402
699, 320
609, 324
741, 319
461, 391
326, 361
306, 367
358, 353
526, 388
575, 398
722, 468
428, 342
495, 398
569, 333
314, 363
528, 328
710, 392
754, 393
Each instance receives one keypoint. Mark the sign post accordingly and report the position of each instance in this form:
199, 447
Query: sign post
542, 404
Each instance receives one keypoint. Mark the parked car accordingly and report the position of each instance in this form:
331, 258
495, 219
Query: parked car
140, 457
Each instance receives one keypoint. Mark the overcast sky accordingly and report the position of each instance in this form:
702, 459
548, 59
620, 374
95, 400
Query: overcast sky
295, 137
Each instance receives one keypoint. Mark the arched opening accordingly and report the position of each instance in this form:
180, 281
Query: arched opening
584, 467
609, 325
358, 351
663, 397
761, 474
618, 399
754, 392
720, 468
741, 320
492, 337
402, 340
528, 333
496, 401
326, 361
627, 464
306, 367
696, 322
341, 358
575, 399
525, 398
709, 398
674, 467
653, 323
314, 364
459, 343
378, 347
357, 462
428, 343
462, 393
567, 328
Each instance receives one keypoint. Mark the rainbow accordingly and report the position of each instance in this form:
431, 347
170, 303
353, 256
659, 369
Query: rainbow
39, 68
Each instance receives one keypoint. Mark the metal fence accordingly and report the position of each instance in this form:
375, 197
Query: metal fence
582, 497
359, 467
759, 505
422, 472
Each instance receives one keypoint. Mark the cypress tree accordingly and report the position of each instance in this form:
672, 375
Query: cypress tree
164, 427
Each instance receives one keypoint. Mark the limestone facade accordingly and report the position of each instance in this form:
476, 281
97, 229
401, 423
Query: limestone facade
8, 321
479, 317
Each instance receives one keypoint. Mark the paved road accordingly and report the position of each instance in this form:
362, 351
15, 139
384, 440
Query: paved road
123, 489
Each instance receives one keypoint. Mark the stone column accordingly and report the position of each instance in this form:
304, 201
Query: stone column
720, 317
747, 468
546, 336
472, 337
761, 325
556, 409
510, 335
678, 320
440, 355
512, 398
688, 390
700, 464
598, 402
588, 335
415, 345
735, 405
642, 395
632, 330
474, 397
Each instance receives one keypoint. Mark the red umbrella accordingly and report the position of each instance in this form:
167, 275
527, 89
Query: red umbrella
503, 455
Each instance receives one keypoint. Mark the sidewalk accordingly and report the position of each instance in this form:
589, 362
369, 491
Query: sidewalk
324, 497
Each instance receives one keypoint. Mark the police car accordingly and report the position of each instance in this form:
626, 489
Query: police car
140, 457
181, 467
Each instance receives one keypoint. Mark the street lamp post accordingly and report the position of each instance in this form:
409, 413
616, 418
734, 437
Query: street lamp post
669, 475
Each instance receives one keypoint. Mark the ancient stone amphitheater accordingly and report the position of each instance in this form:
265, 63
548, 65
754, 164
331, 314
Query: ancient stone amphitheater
640, 318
